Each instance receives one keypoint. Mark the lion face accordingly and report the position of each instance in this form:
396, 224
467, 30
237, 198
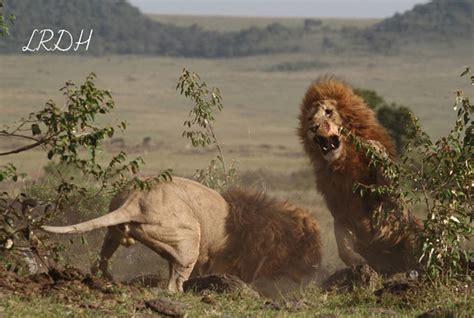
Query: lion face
324, 125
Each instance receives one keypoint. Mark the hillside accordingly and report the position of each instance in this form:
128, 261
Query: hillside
121, 28
437, 18
436, 21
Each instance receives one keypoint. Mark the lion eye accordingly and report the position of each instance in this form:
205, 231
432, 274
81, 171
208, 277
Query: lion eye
328, 112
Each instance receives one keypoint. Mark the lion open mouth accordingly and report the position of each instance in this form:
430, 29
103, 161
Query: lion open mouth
327, 144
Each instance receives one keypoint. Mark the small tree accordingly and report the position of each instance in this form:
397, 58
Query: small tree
394, 117
5, 21
70, 136
199, 129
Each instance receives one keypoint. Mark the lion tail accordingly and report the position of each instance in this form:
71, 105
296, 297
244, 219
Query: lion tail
119, 216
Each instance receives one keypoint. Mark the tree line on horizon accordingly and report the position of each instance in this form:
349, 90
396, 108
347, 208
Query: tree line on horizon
120, 28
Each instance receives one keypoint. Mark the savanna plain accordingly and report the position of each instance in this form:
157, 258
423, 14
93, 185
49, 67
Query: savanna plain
257, 129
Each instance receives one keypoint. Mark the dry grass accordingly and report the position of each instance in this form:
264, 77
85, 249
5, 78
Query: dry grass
260, 106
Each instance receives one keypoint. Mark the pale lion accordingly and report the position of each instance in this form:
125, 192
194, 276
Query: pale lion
198, 231
330, 105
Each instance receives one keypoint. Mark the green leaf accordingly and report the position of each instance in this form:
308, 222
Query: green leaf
35, 129
467, 70
110, 132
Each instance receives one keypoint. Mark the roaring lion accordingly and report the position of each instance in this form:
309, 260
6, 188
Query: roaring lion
328, 106
199, 231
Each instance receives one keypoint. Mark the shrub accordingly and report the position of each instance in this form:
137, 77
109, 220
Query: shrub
394, 117
199, 129
439, 176
71, 138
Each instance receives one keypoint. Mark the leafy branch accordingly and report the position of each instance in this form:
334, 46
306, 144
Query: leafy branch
5, 21
199, 128
71, 137
439, 176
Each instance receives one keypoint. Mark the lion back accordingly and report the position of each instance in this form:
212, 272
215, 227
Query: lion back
270, 238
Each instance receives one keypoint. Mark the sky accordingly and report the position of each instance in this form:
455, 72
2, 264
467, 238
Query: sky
279, 8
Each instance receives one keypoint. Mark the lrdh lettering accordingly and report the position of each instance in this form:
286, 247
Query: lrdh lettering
62, 41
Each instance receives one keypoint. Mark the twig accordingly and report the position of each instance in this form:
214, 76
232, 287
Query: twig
21, 149
218, 146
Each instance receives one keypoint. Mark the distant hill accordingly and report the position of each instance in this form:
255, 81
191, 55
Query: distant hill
122, 29
438, 20
441, 17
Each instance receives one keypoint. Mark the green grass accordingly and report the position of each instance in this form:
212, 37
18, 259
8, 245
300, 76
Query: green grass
129, 302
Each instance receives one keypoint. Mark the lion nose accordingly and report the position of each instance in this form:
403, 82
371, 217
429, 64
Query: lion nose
314, 128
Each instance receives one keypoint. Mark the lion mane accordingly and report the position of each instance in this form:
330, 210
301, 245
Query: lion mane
389, 247
357, 118
269, 238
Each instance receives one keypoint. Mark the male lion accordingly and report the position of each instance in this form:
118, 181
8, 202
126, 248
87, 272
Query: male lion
328, 106
199, 231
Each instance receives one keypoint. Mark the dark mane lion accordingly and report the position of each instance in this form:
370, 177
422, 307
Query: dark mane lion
356, 117
270, 238
328, 106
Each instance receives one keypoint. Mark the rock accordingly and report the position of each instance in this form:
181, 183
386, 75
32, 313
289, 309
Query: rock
220, 283
438, 313
398, 284
100, 285
166, 306
68, 274
347, 278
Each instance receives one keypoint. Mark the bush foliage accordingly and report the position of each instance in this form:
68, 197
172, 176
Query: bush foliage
199, 129
396, 118
437, 175
70, 137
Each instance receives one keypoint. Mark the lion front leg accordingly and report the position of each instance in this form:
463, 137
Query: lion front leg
345, 246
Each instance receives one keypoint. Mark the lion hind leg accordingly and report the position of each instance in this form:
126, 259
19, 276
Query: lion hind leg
109, 246
180, 249
185, 257
178, 275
